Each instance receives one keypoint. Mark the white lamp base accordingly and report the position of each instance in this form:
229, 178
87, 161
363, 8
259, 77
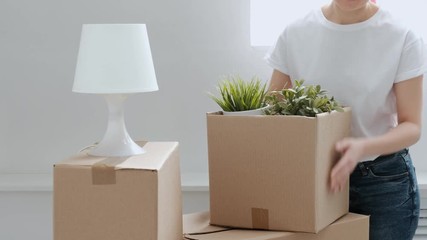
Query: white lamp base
116, 141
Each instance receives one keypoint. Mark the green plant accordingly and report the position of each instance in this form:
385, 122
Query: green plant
301, 100
239, 95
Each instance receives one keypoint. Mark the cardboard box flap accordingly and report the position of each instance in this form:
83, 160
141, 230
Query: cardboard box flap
198, 223
220, 113
243, 235
196, 227
350, 217
325, 114
153, 159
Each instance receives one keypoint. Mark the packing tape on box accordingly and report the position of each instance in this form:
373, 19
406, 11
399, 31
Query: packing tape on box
192, 236
104, 172
260, 218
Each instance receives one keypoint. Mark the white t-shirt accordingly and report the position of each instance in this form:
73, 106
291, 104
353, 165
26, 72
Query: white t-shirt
356, 63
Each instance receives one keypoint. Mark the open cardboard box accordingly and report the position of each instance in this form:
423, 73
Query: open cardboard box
272, 172
132, 198
349, 227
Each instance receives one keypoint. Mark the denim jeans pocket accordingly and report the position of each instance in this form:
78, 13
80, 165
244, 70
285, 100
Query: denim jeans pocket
386, 190
392, 168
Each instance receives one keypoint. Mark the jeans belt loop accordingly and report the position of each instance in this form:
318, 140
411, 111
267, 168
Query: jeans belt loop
406, 151
363, 169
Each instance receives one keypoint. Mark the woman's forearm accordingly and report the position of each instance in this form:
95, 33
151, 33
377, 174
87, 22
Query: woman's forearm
278, 81
402, 136
408, 131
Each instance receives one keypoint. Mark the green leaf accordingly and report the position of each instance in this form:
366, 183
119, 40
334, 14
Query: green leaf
237, 94
302, 100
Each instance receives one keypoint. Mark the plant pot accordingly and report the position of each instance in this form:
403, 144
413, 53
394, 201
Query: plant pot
258, 111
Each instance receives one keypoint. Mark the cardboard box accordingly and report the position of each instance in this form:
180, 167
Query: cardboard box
131, 198
272, 172
349, 227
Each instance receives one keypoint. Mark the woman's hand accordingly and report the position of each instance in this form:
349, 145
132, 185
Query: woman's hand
351, 150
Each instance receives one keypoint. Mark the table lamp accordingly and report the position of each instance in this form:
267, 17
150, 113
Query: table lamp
115, 61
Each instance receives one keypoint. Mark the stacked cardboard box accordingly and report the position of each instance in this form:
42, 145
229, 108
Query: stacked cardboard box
272, 172
266, 172
349, 227
132, 198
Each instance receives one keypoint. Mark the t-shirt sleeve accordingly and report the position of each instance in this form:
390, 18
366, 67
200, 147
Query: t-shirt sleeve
276, 57
413, 61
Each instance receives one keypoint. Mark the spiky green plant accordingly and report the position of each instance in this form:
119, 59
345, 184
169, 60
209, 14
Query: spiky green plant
301, 100
237, 94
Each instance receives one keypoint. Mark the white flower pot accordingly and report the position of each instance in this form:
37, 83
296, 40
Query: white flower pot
259, 111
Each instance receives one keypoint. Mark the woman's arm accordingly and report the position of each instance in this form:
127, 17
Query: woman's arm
406, 133
278, 81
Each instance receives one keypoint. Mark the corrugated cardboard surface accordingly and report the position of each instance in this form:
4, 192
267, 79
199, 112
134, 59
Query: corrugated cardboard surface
349, 227
272, 172
98, 198
151, 160
169, 220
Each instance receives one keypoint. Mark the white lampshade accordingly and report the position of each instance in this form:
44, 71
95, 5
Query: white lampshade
114, 58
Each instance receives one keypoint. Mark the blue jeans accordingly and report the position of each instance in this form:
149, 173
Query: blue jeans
387, 190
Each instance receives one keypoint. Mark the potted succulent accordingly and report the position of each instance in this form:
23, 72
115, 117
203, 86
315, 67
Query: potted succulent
301, 100
240, 97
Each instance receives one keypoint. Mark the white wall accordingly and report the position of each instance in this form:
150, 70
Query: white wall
194, 43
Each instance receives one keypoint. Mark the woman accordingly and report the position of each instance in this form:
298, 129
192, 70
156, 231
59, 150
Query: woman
367, 61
